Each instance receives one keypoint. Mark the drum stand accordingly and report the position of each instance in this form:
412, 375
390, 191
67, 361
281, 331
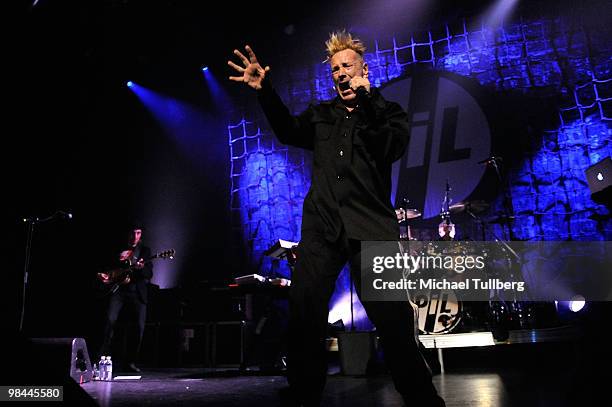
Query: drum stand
407, 214
407, 234
499, 308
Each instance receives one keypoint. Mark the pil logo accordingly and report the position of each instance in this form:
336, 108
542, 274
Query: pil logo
449, 135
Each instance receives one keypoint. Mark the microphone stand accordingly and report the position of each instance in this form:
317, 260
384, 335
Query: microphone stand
406, 225
493, 161
26, 267
30, 223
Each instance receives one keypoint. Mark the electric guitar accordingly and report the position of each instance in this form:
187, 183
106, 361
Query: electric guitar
115, 278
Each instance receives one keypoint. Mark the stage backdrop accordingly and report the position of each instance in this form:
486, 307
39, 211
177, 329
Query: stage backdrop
535, 90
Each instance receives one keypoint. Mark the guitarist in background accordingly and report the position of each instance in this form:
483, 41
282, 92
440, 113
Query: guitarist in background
131, 297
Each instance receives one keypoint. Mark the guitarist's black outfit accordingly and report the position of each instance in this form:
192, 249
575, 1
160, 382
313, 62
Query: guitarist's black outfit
133, 297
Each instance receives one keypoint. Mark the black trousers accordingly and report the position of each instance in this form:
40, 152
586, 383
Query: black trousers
313, 281
130, 302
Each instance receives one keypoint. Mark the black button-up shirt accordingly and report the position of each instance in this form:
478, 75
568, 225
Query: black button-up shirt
353, 155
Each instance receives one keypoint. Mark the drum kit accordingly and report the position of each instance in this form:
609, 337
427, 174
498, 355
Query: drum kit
446, 229
442, 311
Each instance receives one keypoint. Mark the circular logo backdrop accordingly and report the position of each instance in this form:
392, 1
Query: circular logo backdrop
449, 135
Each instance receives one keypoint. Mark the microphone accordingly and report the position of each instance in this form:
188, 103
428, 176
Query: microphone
362, 92
56, 215
491, 160
363, 99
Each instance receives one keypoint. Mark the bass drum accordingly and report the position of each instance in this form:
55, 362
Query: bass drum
439, 311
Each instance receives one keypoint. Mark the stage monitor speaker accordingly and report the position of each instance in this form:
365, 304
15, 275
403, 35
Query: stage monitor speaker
65, 355
226, 348
357, 351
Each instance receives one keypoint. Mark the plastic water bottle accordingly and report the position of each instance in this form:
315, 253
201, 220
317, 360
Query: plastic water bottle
109, 368
95, 373
103, 368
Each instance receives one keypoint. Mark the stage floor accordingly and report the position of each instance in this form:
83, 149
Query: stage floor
196, 387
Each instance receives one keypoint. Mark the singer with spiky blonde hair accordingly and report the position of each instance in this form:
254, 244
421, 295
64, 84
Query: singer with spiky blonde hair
341, 40
355, 139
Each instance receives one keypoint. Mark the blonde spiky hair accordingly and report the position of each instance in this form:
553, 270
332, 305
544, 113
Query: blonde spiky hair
341, 40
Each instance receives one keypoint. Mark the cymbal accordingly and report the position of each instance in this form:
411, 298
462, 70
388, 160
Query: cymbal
471, 206
403, 214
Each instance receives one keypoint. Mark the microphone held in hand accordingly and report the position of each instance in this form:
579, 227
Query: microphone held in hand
363, 100
362, 92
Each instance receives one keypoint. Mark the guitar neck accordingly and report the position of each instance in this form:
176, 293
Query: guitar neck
169, 254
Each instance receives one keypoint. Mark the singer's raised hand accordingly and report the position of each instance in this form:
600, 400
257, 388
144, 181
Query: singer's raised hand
251, 73
360, 81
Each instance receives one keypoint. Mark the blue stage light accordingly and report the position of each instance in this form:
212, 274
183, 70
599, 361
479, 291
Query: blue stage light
130, 84
204, 68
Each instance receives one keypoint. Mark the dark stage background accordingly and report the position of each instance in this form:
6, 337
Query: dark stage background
86, 143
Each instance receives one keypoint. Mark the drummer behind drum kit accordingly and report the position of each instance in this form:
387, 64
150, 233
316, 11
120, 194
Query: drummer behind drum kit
441, 311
